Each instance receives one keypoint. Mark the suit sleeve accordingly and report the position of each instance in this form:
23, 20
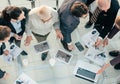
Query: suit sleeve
69, 24
2, 73
88, 2
67, 35
104, 24
115, 61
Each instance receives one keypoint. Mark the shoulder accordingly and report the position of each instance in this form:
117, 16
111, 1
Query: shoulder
25, 10
33, 11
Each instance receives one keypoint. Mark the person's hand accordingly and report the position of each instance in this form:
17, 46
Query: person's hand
6, 52
17, 37
98, 42
28, 40
103, 68
100, 71
59, 34
71, 47
5, 76
105, 42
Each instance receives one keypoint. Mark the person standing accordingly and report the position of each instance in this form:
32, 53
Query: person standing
106, 18
70, 13
14, 17
40, 23
4, 37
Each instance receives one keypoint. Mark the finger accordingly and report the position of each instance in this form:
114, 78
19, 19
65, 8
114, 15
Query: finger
57, 37
62, 38
96, 44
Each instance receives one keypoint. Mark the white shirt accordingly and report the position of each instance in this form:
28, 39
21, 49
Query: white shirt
36, 25
17, 26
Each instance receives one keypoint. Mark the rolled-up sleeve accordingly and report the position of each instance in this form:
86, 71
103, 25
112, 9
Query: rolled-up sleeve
115, 61
56, 21
28, 27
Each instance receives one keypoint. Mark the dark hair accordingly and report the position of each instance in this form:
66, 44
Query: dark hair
79, 9
11, 12
4, 32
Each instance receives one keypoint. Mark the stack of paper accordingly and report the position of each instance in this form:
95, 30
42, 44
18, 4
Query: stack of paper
98, 57
14, 52
90, 38
24, 79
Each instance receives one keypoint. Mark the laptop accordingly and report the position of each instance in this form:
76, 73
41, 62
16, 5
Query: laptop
86, 71
42, 47
63, 56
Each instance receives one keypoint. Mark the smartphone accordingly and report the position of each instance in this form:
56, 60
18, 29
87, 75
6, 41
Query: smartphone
79, 46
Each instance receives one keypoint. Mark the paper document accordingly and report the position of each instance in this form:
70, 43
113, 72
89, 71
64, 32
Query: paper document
90, 38
24, 79
98, 57
14, 51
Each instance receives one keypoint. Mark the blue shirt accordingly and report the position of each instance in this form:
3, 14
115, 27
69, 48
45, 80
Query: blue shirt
17, 26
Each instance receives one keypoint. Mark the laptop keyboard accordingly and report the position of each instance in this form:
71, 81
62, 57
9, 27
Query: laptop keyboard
86, 73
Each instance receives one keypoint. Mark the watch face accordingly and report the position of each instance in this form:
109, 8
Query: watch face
93, 32
12, 46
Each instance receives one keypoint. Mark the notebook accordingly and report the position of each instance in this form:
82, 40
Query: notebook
42, 47
86, 71
63, 56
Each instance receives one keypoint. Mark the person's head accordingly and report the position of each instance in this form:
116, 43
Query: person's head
13, 12
44, 12
117, 22
4, 33
104, 4
79, 9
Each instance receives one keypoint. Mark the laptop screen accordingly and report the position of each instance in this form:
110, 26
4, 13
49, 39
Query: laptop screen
63, 56
86, 73
41, 46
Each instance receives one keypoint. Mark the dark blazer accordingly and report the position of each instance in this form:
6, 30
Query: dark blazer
106, 20
68, 22
88, 2
2, 47
23, 22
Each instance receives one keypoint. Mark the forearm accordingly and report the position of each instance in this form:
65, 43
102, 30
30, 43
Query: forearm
104, 32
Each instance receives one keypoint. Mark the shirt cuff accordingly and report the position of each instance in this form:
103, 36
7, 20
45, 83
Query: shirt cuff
69, 43
100, 38
29, 33
56, 25
12, 34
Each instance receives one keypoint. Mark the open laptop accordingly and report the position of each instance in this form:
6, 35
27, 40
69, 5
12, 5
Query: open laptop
42, 47
86, 71
63, 56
